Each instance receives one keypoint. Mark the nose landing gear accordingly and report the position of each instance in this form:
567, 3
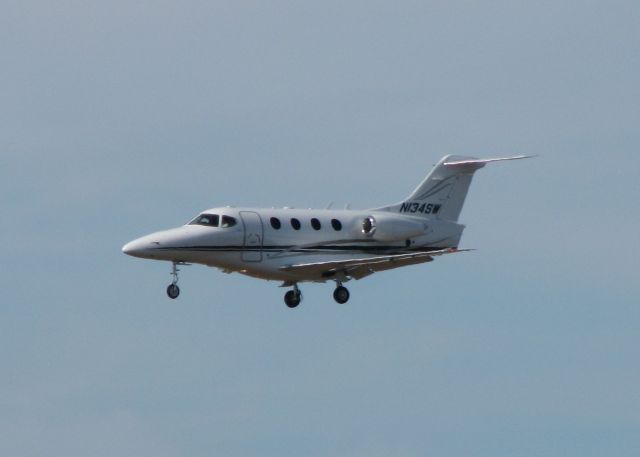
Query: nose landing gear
173, 290
293, 297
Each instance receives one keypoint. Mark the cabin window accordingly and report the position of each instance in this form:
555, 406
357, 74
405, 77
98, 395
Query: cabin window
210, 220
228, 221
315, 223
295, 223
275, 223
336, 224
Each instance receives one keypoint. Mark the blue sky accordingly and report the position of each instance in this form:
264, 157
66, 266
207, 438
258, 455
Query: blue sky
120, 118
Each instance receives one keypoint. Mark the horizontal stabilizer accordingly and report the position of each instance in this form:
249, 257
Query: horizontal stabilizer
481, 162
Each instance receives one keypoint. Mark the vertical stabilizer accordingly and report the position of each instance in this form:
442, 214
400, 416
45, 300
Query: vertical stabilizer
442, 193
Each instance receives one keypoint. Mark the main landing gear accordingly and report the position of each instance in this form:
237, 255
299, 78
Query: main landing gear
173, 290
293, 297
341, 294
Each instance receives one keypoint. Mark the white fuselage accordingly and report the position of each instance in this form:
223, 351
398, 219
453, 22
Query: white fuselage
297, 245
260, 242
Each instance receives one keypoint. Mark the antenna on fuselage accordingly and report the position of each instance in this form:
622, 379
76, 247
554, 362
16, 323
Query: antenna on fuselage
329, 205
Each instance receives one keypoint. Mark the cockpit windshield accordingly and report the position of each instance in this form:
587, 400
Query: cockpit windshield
228, 221
211, 220
214, 220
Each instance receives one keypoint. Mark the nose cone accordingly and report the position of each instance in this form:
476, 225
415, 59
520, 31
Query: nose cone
156, 246
133, 248
138, 248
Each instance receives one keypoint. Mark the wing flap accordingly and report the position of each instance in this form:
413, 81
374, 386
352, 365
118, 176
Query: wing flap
359, 268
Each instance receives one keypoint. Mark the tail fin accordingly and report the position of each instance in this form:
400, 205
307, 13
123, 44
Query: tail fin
442, 193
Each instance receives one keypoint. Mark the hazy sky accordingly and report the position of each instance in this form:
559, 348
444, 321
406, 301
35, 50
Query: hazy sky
120, 118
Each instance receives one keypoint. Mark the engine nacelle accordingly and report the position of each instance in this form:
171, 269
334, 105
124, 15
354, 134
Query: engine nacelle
389, 227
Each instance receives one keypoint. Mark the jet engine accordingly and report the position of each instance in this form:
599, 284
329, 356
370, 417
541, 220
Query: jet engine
389, 227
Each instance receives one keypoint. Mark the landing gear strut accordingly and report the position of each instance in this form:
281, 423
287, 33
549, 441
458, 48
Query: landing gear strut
341, 294
173, 290
293, 297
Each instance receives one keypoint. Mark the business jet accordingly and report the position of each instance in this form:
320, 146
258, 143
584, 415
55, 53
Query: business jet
308, 245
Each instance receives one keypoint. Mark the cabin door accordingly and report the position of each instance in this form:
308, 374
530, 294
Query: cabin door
253, 236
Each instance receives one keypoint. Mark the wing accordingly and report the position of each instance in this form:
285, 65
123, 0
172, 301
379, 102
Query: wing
359, 268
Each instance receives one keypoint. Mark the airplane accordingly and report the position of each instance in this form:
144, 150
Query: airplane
311, 245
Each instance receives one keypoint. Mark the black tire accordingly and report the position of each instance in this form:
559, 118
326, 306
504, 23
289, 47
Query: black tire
173, 291
341, 294
292, 299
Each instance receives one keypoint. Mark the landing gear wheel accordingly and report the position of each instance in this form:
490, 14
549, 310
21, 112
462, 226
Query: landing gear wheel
292, 298
341, 294
173, 291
